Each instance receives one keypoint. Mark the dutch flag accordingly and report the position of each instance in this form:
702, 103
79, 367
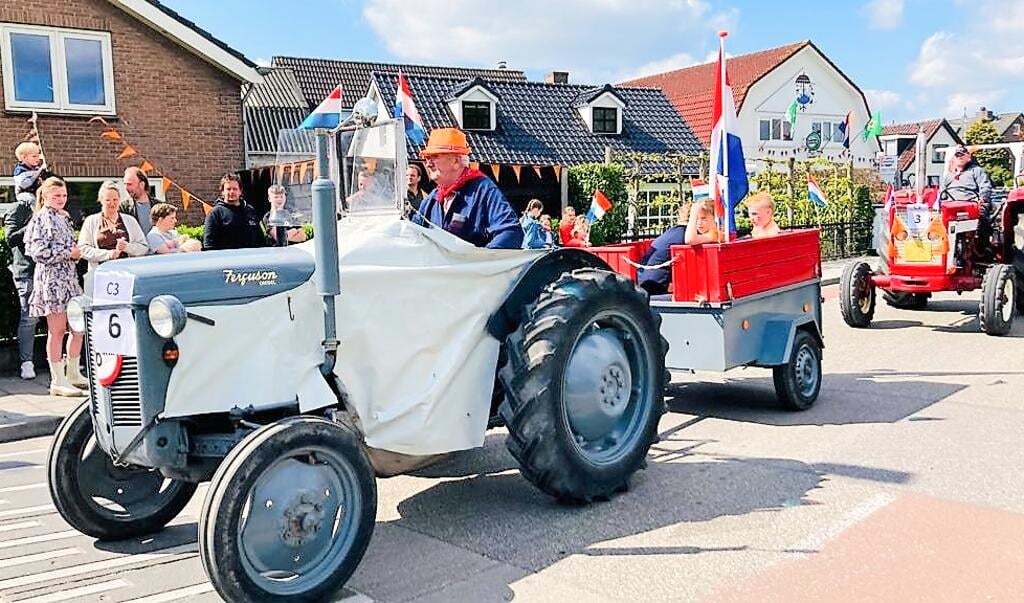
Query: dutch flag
599, 206
406, 109
815, 194
327, 114
730, 181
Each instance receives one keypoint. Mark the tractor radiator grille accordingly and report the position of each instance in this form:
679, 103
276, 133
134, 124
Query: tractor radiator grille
124, 395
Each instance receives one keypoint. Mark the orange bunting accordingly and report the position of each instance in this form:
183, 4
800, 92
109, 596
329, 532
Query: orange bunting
207, 208
146, 166
517, 169
129, 151
186, 199
166, 183
558, 172
496, 170
475, 165
280, 174
536, 170
302, 172
111, 135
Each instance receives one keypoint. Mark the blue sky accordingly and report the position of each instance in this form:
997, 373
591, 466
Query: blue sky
914, 59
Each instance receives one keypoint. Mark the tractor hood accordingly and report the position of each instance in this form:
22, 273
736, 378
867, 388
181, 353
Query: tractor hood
233, 276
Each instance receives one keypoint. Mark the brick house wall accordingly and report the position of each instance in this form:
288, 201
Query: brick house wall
179, 111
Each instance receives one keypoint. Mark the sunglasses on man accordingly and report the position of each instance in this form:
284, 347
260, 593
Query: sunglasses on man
959, 153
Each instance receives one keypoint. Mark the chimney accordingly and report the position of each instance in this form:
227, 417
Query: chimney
502, 65
985, 115
557, 77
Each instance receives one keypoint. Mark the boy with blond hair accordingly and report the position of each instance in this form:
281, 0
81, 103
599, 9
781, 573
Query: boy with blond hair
29, 172
761, 210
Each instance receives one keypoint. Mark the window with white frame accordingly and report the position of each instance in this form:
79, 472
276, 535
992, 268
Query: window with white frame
60, 70
825, 128
938, 157
775, 129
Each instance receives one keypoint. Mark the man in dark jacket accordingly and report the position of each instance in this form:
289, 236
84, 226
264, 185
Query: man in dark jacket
232, 223
22, 269
655, 280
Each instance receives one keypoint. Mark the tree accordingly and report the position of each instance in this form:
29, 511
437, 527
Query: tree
996, 162
610, 179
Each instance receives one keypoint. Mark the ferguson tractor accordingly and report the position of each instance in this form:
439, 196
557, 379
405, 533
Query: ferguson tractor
253, 370
931, 243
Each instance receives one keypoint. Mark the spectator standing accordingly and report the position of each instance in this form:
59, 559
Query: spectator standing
232, 223
533, 232
138, 205
566, 224
110, 234
280, 216
163, 238
50, 242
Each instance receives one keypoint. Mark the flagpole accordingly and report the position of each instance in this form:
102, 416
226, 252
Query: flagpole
723, 140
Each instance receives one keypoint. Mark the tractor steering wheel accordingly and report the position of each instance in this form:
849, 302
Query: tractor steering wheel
945, 196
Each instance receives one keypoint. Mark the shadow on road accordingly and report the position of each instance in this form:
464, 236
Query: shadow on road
876, 397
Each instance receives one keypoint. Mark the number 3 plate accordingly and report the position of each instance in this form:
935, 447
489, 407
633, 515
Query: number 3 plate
113, 332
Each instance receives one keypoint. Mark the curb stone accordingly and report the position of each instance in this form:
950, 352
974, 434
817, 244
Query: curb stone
42, 426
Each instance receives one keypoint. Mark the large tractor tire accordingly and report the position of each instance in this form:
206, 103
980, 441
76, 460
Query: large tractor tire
100, 499
289, 513
798, 382
584, 386
857, 295
906, 301
998, 299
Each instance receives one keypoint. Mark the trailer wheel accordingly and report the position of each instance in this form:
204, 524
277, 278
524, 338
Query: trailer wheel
857, 295
798, 382
998, 300
100, 499
289, 513
906, 301
584, 386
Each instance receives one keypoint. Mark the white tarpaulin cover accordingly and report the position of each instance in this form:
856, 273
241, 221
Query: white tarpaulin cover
415, 355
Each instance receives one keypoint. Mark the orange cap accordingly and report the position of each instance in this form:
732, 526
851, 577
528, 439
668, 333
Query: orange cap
446, 141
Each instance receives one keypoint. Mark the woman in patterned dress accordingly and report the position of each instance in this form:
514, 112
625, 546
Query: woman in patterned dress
50, 241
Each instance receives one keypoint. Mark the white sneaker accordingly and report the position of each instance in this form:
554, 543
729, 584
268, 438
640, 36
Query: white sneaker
28, 370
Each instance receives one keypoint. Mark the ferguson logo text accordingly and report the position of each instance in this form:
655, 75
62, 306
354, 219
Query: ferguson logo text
250, 277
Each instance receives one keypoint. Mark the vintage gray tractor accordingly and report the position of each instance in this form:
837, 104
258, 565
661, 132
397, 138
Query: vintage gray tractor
253, 369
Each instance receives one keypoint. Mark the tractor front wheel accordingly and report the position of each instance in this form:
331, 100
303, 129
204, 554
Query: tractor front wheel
998, 300
584, 386
857, 295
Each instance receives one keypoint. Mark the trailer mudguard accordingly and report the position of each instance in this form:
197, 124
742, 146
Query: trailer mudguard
777, 343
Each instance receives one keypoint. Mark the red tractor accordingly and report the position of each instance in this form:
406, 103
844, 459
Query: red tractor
933, 244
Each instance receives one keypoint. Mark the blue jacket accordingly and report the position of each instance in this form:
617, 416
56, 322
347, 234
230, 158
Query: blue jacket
479, 214
533, 234
660, 252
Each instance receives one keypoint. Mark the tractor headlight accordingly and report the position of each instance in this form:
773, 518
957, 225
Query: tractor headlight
76, 314
167, 315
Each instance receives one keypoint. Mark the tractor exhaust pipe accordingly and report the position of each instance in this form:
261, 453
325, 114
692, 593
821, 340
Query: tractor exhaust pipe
325, 245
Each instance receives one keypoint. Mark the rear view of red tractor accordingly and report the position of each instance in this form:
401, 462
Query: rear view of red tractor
933, 245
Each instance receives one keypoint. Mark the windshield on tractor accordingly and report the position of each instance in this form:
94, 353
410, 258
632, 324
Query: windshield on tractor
376, 165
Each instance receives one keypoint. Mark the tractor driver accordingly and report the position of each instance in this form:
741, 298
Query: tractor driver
465, 202
965, 180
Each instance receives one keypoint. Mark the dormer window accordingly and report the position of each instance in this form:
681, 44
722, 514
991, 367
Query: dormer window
474, 105
606, 120
476, 115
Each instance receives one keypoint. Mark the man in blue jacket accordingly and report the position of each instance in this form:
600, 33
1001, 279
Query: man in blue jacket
656, 280
465, 202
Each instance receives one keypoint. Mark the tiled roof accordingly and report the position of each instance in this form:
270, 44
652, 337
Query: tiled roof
691, 89
202, 32
278, 89
538, 125
1001, 122
264, 130
466, 86
317, 77
588, 96
911, 129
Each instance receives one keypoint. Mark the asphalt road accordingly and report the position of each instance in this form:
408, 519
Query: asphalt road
904, 483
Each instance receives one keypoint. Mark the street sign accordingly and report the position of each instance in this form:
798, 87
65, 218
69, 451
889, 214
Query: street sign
887, 168
813, 141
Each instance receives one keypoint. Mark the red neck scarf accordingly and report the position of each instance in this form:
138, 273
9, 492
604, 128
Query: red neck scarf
468, 175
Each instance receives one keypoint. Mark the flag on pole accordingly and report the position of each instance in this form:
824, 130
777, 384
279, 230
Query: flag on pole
815, 193
599, 206
730, 182
791, 116
700, 190
844, 130
327, 114
873, 127
406, 109
889, 198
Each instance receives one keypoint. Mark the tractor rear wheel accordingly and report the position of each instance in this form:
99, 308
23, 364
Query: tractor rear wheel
998, 299
584, 386
906, 301
857, 295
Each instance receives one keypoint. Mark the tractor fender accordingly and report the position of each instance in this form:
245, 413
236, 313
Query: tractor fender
543, 271
779, 333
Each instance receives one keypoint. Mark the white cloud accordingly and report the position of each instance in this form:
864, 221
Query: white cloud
595, 40
885, 14
676, 61
882, 99
971, 101
261, 62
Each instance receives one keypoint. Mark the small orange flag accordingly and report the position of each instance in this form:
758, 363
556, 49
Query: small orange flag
128, 151
517, 168
495, 170
558, 172
111, 135
302, 172
166, 183
207, 208
186, 198
146, 166
536, 170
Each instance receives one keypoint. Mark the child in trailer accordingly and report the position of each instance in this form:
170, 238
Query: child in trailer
702, 228
761, 210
